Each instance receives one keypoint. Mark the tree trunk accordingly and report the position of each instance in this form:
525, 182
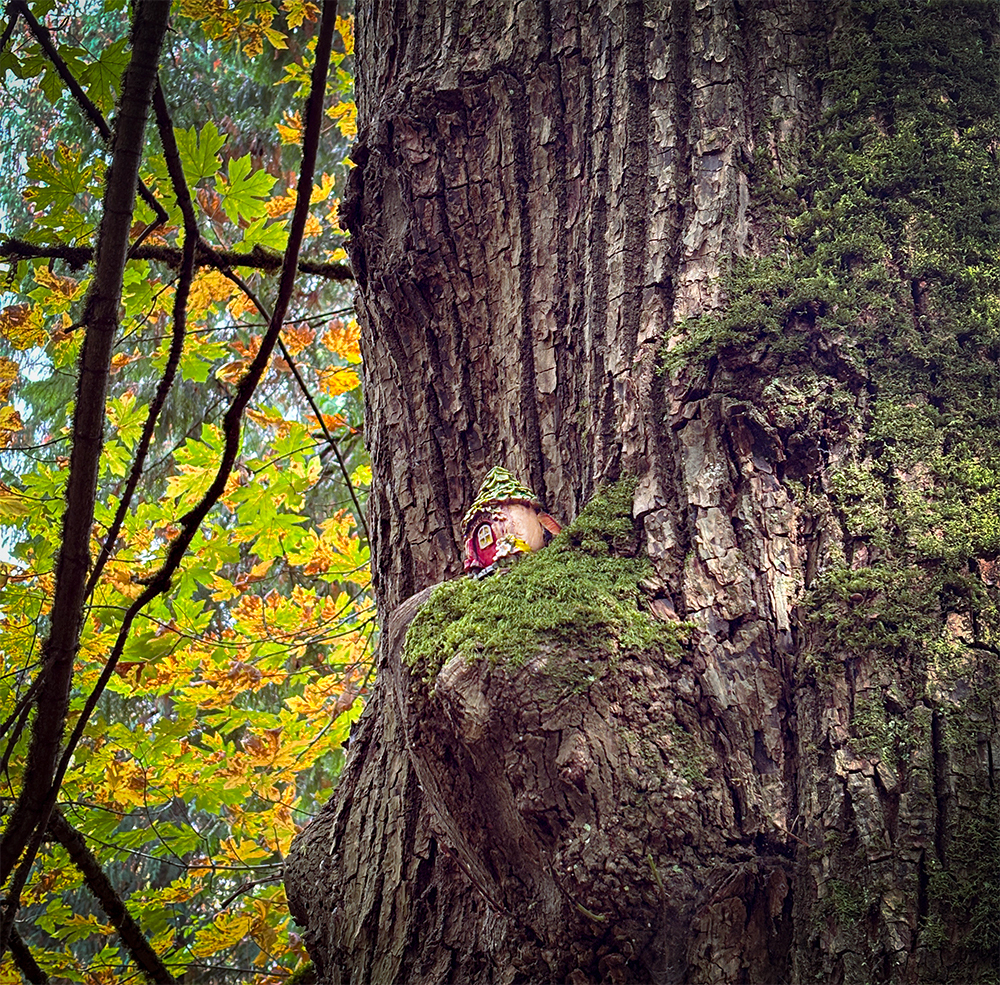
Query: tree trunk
745, 255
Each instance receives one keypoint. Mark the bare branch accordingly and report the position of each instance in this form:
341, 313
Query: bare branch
183, 290
78, 257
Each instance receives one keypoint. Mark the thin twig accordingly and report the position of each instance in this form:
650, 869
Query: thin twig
287, 356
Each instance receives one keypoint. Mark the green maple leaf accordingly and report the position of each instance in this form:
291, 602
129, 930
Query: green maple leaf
199, 152
102, 78
244, 195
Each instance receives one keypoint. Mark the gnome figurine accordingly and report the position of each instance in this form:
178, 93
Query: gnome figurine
505, 519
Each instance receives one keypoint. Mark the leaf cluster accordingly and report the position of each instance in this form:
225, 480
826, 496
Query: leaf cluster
218, 731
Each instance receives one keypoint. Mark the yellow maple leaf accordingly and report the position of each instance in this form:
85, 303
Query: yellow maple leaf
10, 424
280, 205
240, 306
299, 10
345, 28
208, 288
63, 287
321, 192
22, 325
343, 339
345, 115
8, 374
290, 131
337, 380
312, 227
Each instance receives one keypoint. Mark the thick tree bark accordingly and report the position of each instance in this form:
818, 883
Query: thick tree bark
546, 196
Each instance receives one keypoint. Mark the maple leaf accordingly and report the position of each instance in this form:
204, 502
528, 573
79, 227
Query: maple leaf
8, 374
298, 11
345, 115
208, 288
343, 338
244, 195
337, 380
345, 28
199, 151
22, 326
10, 424
102, 77
297, 337
290, 131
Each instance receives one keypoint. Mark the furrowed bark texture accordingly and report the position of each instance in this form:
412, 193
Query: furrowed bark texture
544, 194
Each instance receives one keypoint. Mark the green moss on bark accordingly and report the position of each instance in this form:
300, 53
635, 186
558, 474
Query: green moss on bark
580, 592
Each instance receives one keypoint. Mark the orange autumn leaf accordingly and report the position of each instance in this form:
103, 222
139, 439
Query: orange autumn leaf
343, 339
297, 337
337, 380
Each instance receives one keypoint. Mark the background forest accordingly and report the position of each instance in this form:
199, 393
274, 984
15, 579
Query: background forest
215, 682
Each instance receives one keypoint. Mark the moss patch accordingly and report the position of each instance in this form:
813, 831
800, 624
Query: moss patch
580, 591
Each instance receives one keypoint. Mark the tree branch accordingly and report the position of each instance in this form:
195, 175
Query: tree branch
183, 290
112, 904
78, 257
14, 11
24, 959
30, 815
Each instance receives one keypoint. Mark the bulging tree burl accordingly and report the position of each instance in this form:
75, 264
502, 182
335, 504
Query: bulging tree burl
720, 283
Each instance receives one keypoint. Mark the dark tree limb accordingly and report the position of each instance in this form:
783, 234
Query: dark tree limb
191, 236
30, 815
14, 11
25, 960
112, 904
78, 257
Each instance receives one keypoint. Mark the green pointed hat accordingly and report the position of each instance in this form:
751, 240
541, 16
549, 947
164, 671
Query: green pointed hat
500, 486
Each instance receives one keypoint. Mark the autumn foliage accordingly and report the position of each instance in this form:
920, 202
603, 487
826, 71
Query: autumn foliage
208, 725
